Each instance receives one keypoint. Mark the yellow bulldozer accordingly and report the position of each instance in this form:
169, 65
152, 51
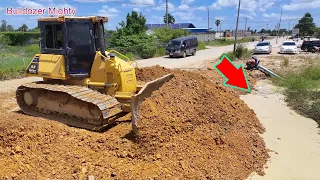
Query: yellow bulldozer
83, 85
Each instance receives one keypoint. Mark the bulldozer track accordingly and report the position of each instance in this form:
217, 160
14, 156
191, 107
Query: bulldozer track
107, 108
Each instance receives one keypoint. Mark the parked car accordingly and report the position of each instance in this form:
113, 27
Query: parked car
263, 47
181, 47
309, 45
289, 47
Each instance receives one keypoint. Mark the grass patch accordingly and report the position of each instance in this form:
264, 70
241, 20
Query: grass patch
225, 42
302, 91
201, 45
15, 59
285, 62
241, 52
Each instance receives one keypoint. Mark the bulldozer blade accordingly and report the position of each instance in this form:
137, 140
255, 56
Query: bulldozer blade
145, 92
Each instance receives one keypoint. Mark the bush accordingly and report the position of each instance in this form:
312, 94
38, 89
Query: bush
141, 45
161, 52
4, 40
201, 45
242, 52
20, 38
230, 55
164, 35
301, 90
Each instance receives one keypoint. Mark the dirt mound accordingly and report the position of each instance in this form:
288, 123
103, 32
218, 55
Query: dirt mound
190, 128
200, 129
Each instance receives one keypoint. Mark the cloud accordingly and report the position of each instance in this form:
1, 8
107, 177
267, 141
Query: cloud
61, 6
1, 9
220, 18
95, 0
162, 7
108, 12
186, 16
301, 4
183, 7
249, 5
186, 1
136, 9
277, 16
201, 8
29, 4
139, 3
245, 15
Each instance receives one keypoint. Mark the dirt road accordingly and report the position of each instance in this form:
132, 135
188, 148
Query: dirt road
294, 140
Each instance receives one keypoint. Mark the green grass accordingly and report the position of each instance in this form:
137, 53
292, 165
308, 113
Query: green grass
225, 42
15, 59
201, 45
240, 53
302, 91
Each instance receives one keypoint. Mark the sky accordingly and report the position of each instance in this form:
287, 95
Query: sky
258, 13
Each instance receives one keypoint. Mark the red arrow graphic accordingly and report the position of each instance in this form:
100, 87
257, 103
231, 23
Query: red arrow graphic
235, 76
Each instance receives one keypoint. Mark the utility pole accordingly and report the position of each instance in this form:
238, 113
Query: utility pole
289, 27
167, 20
267, 26
208, 23
235, 36
245, 26
279, 24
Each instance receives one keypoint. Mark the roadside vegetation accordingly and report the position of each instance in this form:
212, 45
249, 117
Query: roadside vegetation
302, 91
225, 41
241, 52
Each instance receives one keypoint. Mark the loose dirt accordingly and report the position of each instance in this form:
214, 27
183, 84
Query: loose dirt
191, 128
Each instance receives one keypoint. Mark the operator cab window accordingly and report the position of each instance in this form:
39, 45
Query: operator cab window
54, 38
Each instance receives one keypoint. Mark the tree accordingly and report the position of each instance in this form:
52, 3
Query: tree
171, 19
217, 23
3, 26
131, 37
36, 29
135, 24
23, 28
10, 28
263, 31
306, 25
255, 31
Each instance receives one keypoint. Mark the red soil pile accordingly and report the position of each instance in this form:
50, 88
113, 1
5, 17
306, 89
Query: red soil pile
191, 128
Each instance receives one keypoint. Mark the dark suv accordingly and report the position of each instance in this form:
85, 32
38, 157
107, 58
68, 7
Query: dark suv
309, 45
181, 47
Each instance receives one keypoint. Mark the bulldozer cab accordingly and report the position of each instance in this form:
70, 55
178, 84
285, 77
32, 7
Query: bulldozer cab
77, 39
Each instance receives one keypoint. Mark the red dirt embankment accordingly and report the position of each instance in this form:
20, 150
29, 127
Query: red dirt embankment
191, 128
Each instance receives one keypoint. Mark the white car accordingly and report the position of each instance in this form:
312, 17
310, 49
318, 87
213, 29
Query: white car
263, 47
289, 47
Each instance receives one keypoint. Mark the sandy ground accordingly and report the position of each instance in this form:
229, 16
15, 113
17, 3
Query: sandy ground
294, 140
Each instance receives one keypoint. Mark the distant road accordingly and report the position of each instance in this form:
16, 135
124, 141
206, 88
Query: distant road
200, 57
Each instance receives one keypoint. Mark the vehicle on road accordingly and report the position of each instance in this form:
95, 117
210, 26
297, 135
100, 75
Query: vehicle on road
263, 47
289, 47
181, 47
